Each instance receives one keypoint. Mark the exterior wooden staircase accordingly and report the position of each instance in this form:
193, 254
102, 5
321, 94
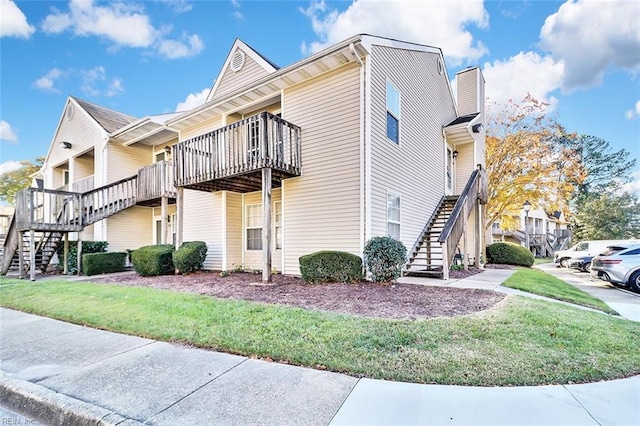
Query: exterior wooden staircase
43, 216
434, 251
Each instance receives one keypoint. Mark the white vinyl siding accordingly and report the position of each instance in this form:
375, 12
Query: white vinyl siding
201, 128
125, 161
231, 81
130, 229
234, 230
203, 222
393, 215
416, 169
322, 208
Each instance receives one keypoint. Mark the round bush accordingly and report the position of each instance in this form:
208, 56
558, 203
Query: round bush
509, 254
330, 266
190, 256
153, 260
384, 257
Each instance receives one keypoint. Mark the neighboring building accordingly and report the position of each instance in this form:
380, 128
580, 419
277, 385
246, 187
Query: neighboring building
547, 232
361, 139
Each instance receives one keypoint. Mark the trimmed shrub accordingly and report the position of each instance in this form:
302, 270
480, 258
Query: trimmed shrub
153, 260
384, 257
103, 263
190, 256
87, 248
509, 254
330, 266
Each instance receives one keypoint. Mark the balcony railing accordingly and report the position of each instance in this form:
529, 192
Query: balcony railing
228, 158
81, 185
48, 210
155, 181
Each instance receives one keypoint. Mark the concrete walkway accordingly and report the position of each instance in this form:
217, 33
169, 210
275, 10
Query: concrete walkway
64, 374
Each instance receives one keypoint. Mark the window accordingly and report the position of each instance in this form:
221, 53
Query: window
393, 113
253, 225
278, 223
631, 252
160, 156
393, 216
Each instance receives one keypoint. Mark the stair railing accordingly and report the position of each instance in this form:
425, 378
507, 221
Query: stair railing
434, 214
454, 228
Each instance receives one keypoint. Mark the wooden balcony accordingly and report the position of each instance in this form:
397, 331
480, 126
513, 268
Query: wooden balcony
154, 182
48, 210
231, 158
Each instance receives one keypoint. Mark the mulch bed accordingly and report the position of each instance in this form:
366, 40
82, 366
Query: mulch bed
399, 301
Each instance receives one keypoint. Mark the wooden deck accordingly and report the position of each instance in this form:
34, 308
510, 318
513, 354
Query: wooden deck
231, 158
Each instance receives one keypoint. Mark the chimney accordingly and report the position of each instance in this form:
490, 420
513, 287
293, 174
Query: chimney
470, 90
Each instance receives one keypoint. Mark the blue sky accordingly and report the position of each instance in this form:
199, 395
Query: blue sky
142, 58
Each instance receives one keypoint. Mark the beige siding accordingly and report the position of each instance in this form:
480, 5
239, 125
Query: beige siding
468, 95
253, 258
234, 230
201, 128
83, 133
414, 169
464, 166
202, 222
125, 161
322, 208
83, 168
130, 229
232, 81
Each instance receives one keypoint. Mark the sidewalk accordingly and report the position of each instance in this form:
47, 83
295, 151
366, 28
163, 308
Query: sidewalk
62, 373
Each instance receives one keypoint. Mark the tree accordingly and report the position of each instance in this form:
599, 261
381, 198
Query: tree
530, 157
607, 216
14, 181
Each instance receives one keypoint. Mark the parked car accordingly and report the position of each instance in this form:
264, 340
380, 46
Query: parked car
581, 263
619, 264
585, 248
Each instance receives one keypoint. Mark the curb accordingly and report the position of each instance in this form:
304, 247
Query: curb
51, 407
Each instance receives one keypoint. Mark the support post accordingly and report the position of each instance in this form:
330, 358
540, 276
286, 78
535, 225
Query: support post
66, 254
21, 271
465, 254
478, 234
163, 222
179, 215
79, 253
266, 225
32, 254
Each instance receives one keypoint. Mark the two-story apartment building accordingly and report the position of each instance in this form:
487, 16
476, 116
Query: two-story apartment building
364, 138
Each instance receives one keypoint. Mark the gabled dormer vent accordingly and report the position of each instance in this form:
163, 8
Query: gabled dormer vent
238, 61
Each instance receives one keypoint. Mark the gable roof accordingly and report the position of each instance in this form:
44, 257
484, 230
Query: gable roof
238, 44
108, 119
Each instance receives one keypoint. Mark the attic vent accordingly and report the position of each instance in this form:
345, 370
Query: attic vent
238, 61
70, 111
440, 66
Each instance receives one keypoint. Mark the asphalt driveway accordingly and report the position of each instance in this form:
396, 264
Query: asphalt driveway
626, 302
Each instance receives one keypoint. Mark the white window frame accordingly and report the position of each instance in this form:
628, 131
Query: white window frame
397, 116
277, 215
253, 211
391, 198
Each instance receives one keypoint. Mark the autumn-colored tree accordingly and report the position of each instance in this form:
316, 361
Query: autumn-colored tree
14, 181
530, 157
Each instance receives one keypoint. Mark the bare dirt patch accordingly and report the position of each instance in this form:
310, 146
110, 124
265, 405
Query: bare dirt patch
400, 301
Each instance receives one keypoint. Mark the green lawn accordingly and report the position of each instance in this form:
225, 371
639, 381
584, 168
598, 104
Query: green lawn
538, 282
518, 342
541, 260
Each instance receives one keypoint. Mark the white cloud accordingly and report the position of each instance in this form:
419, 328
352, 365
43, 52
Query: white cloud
437, 23
47, 82
237, 14
9, 166
124, 24
95, 83
634, 185
179, 6
522, 74
187, 46
590, 36
13, 23
193, 100
7, 134
633, 113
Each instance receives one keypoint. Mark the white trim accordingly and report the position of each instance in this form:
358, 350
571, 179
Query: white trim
224, 231
284, 245
399, 221
386, 108
243, 245
367, 163
368, 41
363, 185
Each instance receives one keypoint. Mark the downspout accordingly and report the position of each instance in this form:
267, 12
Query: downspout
363, 157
